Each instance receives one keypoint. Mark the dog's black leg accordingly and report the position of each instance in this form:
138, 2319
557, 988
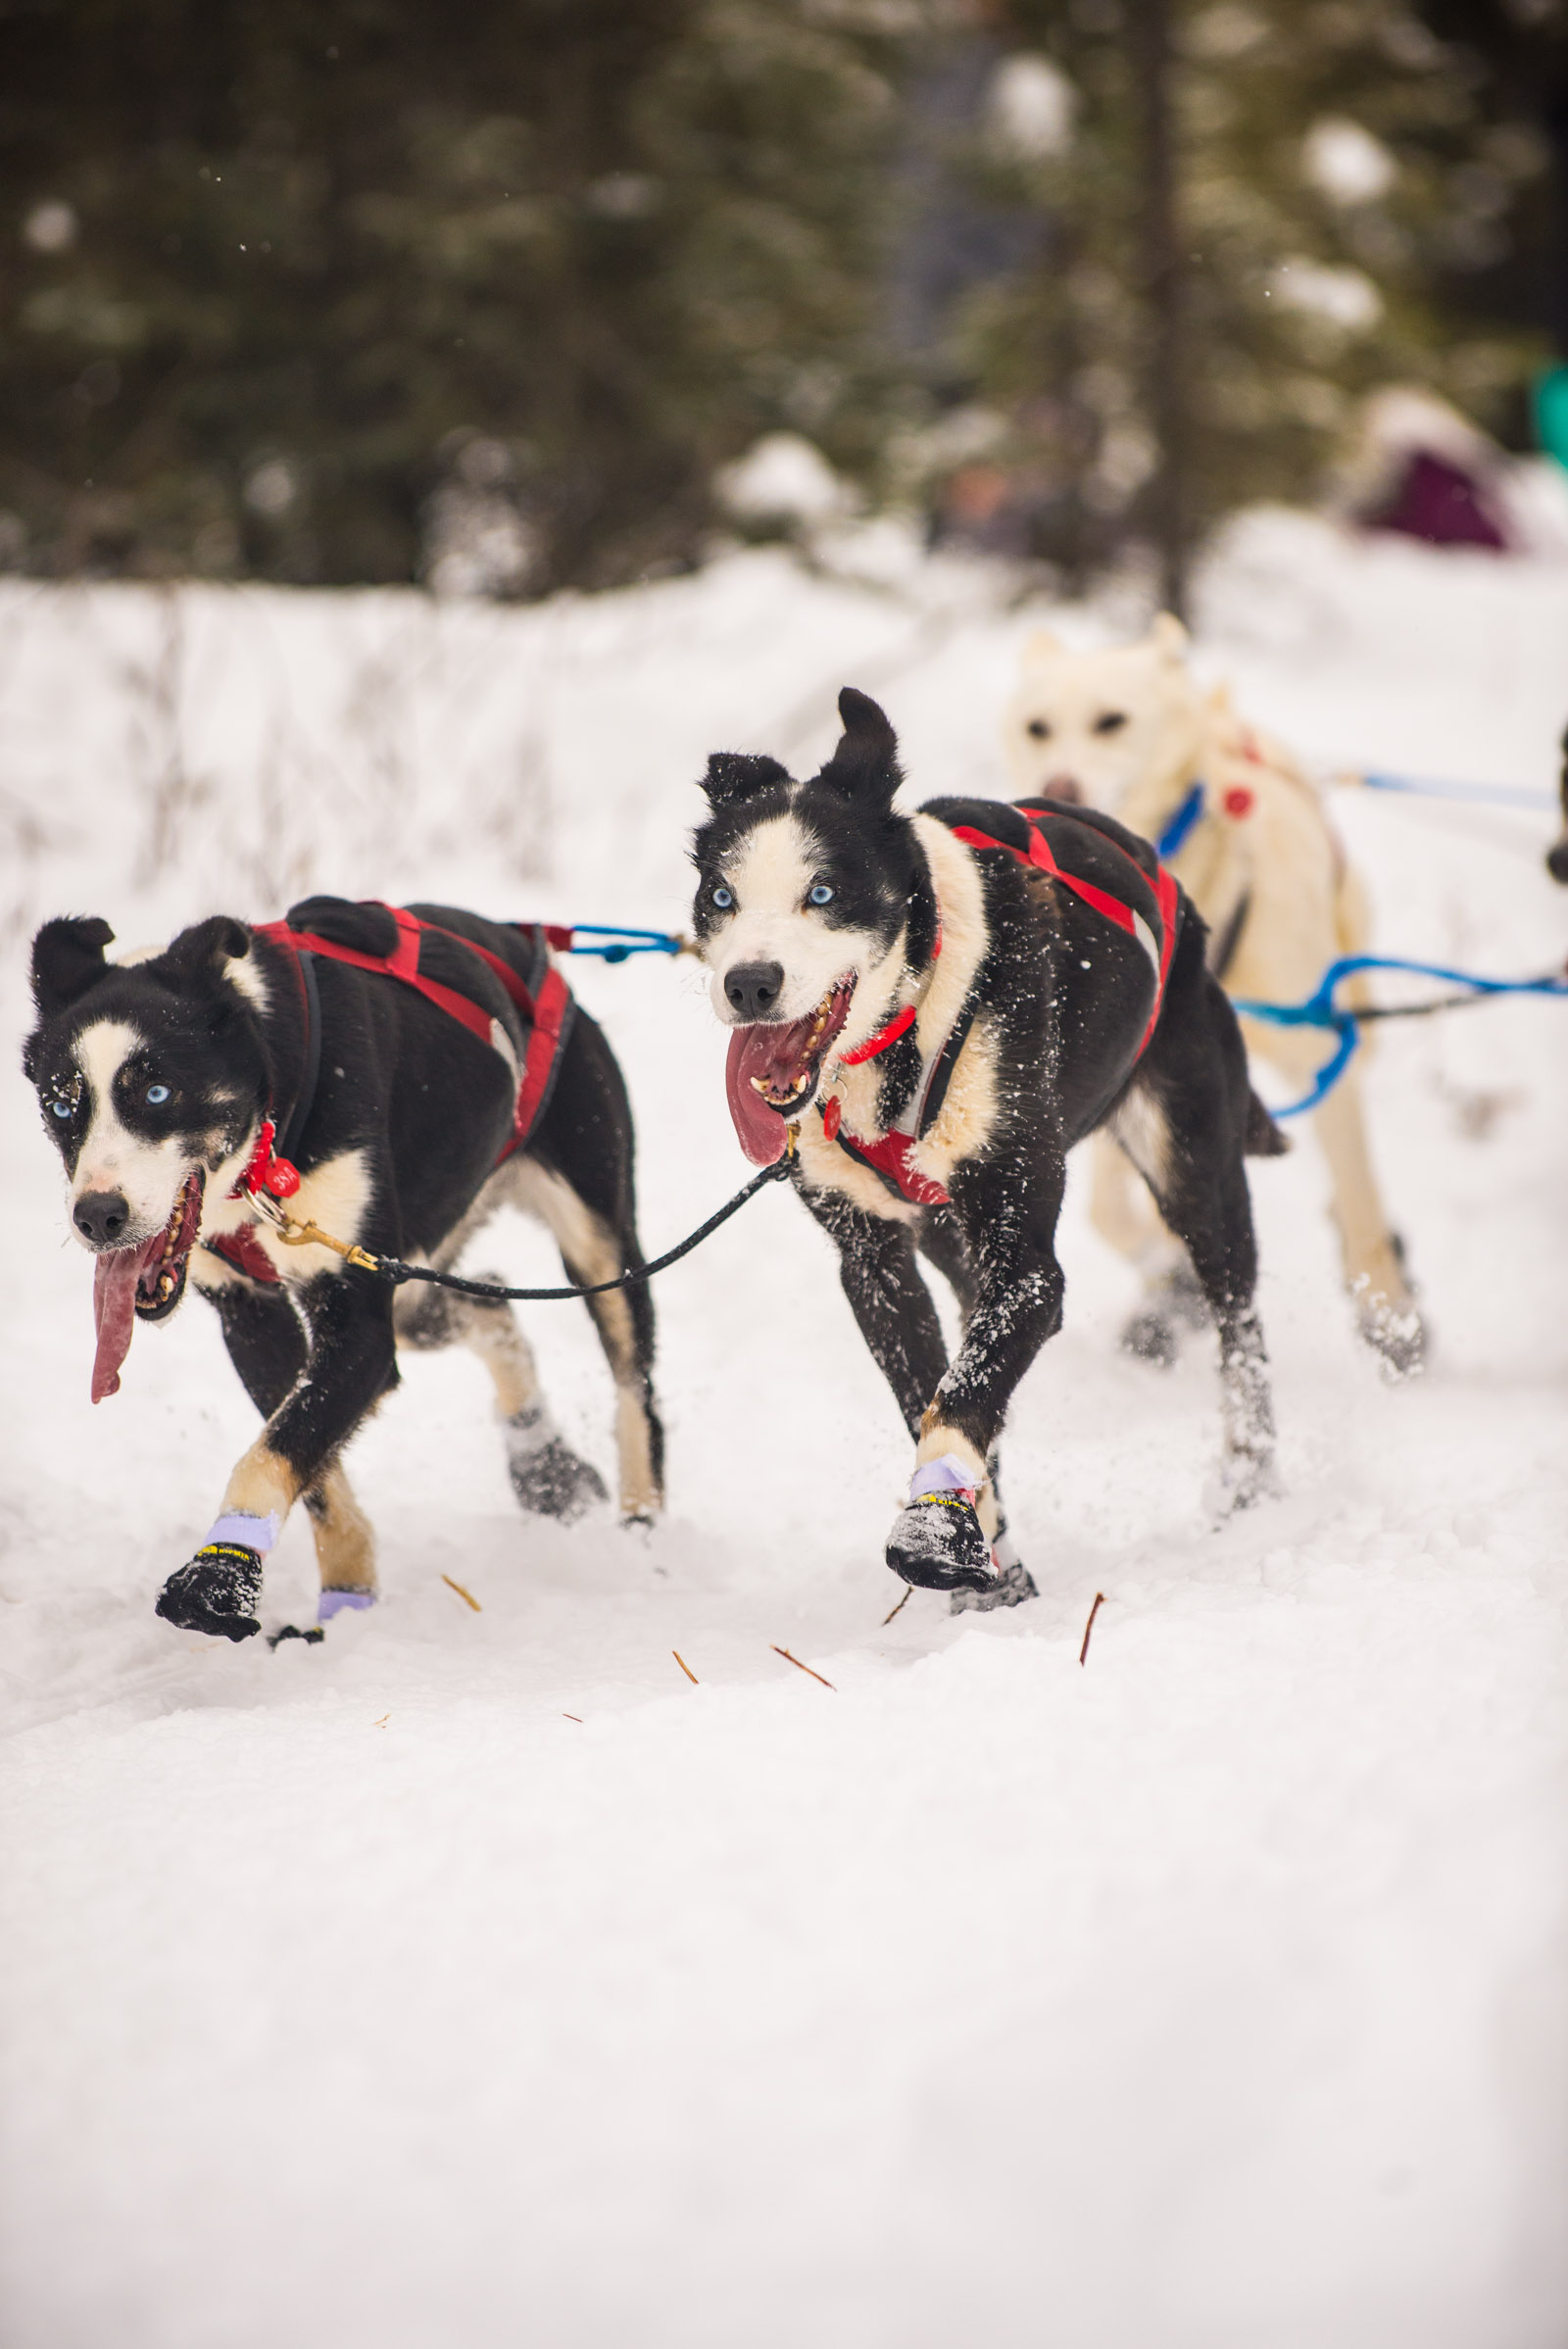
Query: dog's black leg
1184, 1125
944, 1537
940, 1239
350, 1363
265, 1340
889, 1300
267, 1346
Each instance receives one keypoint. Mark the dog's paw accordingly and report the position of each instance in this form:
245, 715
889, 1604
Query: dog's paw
1246, 1479
217, 1593
312, 1635
547, 1475
1397, 1339
938, 1543
1175, 1305
1009, 1589
1152, 1337
1011, 1583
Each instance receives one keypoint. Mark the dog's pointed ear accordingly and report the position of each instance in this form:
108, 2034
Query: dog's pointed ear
736, 775
1169, 637
205, 951
865, 764
67, 957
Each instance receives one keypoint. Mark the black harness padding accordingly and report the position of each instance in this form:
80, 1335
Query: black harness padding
299, 1116
1223, 951
936, 1093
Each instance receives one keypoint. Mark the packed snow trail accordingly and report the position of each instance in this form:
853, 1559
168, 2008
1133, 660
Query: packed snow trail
475, 1978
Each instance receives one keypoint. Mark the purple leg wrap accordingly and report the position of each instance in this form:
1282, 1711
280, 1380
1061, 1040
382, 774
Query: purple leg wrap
332, 1602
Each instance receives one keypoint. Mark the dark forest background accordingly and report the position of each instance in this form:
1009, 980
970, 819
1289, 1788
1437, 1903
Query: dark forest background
304, 292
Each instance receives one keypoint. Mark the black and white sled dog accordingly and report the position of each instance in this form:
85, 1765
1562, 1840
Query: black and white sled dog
394, 1076
942, 1004
1557, 854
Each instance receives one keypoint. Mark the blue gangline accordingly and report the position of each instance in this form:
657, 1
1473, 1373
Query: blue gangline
1484, 795
630, 942
1319, 1010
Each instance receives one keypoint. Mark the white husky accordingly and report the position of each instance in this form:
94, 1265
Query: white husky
1128, 730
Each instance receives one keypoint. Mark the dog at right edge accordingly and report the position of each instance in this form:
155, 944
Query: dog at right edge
1128, 729
936, 1007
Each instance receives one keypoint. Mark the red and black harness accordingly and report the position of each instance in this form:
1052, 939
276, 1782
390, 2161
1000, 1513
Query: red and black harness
889, 1158
543, 1001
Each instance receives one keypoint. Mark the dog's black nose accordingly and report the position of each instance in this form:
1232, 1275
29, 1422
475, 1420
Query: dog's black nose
101, 1216
1557, 859
753, 989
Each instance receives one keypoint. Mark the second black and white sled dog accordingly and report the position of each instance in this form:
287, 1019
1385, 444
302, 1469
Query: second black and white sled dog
424, 1067
942, 1004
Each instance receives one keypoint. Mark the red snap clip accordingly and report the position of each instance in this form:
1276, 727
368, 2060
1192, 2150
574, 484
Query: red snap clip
1238, 801
832, 1113
281, 1179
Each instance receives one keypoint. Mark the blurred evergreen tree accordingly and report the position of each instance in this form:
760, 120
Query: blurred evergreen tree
1511, 260
1330, 163
276, 274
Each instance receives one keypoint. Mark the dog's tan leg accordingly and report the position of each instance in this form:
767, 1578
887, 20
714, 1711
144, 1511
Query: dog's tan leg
1372, 1269
547, 1476
1123, 1210
591, 1253
642, 1490
428, 1318
345, 1545
263, 1484
1125, 1217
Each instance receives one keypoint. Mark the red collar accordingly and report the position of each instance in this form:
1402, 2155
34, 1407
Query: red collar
266, 1171
898, 1025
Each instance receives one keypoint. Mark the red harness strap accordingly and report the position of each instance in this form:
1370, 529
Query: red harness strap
1038, 854
404, 963
890, 1159
546, 1013
551, 1005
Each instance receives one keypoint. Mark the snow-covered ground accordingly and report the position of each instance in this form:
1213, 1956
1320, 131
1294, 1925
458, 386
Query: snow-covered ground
474, 1979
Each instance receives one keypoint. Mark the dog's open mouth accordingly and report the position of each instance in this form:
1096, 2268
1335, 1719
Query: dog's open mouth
773, 1068
142, 1283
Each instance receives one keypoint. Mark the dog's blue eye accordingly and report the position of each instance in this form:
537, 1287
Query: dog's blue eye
819, 894
157, 1095
722, 898
61, 1108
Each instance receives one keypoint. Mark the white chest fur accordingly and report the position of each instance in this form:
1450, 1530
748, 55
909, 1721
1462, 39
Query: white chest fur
968, 1110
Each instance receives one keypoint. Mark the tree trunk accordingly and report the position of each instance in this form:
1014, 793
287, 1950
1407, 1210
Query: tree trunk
1169, 502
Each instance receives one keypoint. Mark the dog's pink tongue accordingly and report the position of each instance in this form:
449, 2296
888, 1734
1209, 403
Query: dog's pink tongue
762, 1051
114, 1310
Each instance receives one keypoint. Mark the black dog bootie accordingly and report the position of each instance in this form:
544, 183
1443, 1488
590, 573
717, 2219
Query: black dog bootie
938, 1543
217, 1593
